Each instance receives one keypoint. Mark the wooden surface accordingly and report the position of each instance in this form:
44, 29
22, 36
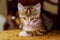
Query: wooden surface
13, 35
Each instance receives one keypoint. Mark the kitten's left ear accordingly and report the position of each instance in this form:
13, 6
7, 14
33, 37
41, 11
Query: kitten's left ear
38, 7
20, 7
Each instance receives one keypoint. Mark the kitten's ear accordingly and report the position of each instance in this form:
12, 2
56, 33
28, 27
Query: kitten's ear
38, 7
20, 7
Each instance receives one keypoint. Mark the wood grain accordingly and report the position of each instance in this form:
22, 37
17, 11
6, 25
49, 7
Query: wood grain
13, 35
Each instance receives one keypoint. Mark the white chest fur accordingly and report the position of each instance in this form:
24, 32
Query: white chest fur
27, 28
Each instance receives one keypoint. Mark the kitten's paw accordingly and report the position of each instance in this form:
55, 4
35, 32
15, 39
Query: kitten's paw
23, 33
42, 33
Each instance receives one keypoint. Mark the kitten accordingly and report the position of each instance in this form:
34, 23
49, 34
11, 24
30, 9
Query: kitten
30, 20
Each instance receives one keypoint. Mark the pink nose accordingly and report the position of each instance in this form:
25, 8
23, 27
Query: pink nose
28, 24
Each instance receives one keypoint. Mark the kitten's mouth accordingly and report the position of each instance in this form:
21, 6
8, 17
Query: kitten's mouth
31, 24
28, 25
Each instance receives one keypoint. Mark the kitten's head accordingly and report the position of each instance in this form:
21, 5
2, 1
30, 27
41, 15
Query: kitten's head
29, 15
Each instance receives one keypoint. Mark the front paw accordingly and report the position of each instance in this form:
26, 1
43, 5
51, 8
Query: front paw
40, 33
23, 33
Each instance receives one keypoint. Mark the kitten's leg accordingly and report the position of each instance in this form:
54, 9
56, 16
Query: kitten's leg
41, 32
34, 33
30, 33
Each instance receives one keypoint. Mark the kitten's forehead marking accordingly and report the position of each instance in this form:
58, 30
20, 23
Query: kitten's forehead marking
28, 12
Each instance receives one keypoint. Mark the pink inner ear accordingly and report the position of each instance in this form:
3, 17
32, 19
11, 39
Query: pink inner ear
38, 6
38, 9
20, 7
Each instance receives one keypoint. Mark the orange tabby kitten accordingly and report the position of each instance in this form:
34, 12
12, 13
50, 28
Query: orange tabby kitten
30, 20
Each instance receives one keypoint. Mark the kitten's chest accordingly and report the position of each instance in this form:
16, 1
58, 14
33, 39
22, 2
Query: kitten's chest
29, 28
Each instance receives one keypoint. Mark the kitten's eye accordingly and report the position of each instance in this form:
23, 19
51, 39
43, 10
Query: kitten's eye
32, 18
37, 18
24, 18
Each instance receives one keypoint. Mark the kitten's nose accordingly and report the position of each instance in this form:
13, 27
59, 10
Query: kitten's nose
28, 24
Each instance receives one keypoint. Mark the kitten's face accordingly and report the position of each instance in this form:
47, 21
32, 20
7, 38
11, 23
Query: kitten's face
29, 15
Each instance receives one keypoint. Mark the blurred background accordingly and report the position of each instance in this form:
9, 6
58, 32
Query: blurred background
8, 12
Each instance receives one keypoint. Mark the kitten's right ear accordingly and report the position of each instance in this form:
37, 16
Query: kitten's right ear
20, 7
38, 7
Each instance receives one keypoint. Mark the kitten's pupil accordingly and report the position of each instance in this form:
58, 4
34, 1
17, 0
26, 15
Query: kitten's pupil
24, 18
